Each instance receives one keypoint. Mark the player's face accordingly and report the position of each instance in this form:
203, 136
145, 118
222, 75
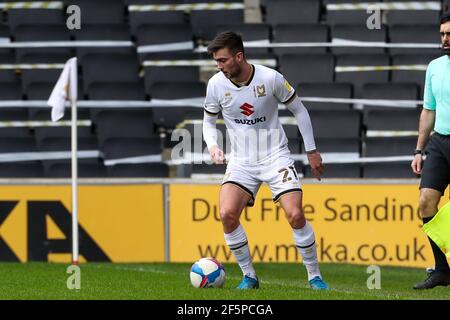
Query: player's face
445, 37
228, 62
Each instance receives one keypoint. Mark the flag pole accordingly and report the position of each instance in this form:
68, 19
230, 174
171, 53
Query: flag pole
66, 88
74, 135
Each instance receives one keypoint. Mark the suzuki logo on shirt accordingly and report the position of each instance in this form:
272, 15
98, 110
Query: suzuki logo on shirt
247, 109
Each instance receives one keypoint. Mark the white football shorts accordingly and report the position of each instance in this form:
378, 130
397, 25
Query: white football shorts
278, 173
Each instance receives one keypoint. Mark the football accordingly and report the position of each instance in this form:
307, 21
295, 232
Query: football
207, 273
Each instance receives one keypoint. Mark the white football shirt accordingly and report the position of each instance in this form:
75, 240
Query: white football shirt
250, 113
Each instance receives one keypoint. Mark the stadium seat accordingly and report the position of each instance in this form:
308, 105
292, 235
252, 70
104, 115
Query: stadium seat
121, 148
17, 17
141, 170
325, 90
390, 91
310, 68
399, 170
44, 114
351, 32
163, 34
116, 91
127, 123
85, 170
339, 145
359, 78
14, 114
411, 16
202, 169
109, 68
41, 133
25, 169
10, 91
17, 144
249, 32
202, 20
336, 123
52, 143
355, 17
392, 119
292, 11
45, 77
41, 32
169, 74
100, 11
300, 33
389, 146
169, 117
102, 32
337, 170
413, 33
138, 18
415, 76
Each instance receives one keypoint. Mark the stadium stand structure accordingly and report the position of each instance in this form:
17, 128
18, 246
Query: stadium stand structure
126, 142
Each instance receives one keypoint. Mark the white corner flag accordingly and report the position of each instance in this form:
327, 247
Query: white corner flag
66, 89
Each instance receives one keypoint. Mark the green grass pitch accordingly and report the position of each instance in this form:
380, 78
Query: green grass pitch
171, 282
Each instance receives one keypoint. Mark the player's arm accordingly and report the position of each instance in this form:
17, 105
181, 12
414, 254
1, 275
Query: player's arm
212, 109
210, 136
426, 123
304, 124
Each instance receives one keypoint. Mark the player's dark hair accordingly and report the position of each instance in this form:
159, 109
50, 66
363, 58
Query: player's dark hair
227, 39
445, 17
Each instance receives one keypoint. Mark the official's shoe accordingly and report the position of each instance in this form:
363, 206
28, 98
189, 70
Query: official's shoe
248, 283
434, 279
318, 284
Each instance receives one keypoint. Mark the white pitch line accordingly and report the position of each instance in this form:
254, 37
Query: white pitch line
152, 270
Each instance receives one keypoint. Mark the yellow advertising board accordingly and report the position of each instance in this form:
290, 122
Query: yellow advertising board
354, 223
118, 223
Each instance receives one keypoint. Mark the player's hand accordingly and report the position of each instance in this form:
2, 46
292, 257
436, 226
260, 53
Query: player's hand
217, 155
315, 162
417, 164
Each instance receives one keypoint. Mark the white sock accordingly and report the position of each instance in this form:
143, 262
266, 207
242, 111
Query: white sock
238, 244
305, 241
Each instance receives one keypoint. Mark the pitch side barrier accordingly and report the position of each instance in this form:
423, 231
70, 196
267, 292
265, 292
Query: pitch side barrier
360, 221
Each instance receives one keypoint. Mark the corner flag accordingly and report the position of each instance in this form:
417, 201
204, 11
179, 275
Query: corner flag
438, 229
66, 89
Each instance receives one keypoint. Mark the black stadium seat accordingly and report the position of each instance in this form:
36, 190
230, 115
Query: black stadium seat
310, 68
389, 146
300, 33
359, 78
202, 20
414, 33
169, 117
399, 170
140, 170
120, 148
392, 119
123, 123
292, 11
350, 32
325, 90
355, 17
415, 76
104, 68
390, 91
100, 11
17, 17
62, 169
25, 169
